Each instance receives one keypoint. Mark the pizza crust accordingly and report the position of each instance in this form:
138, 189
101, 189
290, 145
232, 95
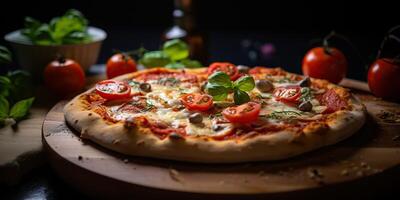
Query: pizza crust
139, 141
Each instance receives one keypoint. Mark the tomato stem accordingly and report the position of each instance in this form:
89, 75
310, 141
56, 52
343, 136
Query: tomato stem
325, 42
60, 58
389, 36
332, 35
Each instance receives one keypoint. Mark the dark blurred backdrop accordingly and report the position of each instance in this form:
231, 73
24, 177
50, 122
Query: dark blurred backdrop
291, 27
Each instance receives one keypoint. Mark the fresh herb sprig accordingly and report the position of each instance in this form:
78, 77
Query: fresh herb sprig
14, 103
284, 114
15, 93
219, 85
174, 55
306, 94
71, 28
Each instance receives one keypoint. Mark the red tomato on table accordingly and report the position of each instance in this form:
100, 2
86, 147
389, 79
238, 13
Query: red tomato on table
244, 113
111, 89
331, 65
384, 78
226, 67
64, 77
120, 64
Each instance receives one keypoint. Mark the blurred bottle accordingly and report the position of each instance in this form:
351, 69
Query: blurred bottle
185, 28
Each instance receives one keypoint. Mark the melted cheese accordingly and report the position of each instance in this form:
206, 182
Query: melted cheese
165, 99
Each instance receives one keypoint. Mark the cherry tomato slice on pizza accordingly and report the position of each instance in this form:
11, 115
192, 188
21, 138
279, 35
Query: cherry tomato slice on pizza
111, 89
226, 67
288, 94
196, 101
244, 113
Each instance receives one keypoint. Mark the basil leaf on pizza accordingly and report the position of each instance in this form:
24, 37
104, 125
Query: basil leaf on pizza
220, 85
245, 83
240, 97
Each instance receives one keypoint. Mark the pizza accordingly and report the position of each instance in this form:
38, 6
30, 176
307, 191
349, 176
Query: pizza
220, 114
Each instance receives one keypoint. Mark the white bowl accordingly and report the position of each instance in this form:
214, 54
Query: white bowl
35, 58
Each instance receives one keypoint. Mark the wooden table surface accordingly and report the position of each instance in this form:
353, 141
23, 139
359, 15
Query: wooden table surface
21, 148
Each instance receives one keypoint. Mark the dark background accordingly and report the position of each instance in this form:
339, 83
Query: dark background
291, 26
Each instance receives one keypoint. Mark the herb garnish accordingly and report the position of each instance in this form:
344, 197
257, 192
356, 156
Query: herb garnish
306, 94
168, 81
149, 105
174, 55
133, 83
71, 28
219, 85
284, 114
15, 92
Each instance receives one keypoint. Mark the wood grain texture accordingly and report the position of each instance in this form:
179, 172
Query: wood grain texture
372, 150
21, 148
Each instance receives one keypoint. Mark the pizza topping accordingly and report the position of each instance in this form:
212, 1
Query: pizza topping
138, 104
332, 101
164, 130
264, 86
288, 94
244, 113
306, 82
306, 94
196, 101
284, 114
175, 136
111, 89
162, 77
243, 69
219, 86
195, 118
145, 87
228, 68
305, 106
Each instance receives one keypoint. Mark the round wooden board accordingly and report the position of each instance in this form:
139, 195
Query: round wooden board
103, 173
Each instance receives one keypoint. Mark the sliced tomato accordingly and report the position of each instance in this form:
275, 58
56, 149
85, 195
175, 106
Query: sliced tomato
332, 101
196, 101
244, 113
226, 67
111, 89
288, 94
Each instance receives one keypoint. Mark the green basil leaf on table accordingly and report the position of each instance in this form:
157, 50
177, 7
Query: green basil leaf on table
5, 85
175, 65
245, 83
188, 63
21, 87
20, 109
4, 107
5, 55
240, 97
155, 59
176, 49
